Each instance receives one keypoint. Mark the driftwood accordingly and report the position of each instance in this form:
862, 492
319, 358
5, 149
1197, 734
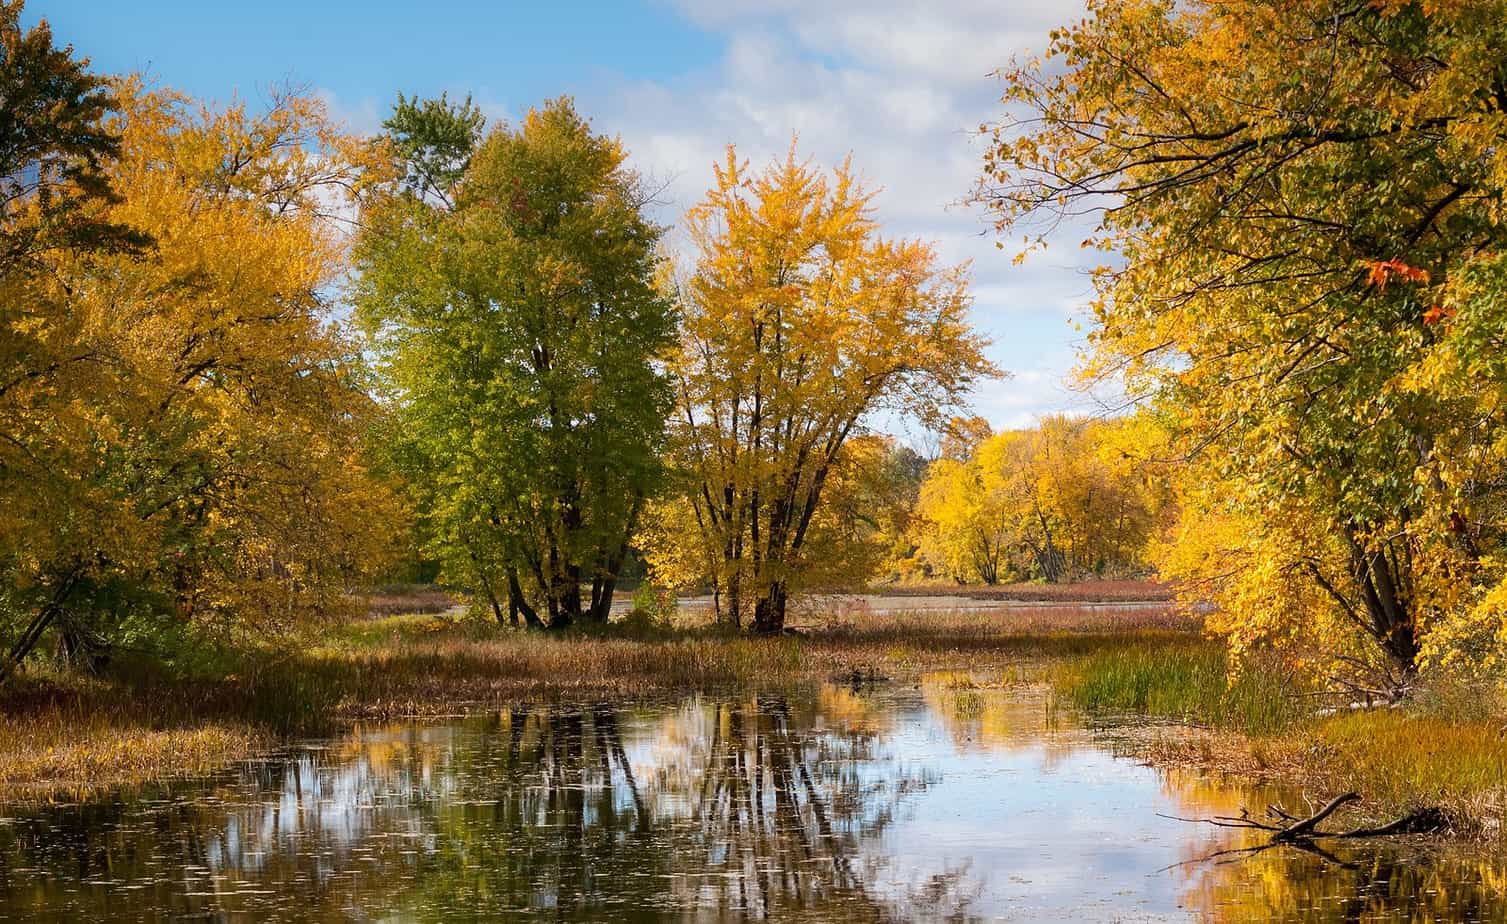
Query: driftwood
1301, 833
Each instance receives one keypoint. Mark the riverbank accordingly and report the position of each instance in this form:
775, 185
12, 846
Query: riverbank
64, 733
1446, 748
1143, 673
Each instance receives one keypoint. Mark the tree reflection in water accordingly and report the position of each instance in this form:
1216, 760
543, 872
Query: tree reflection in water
735, 809
824, 804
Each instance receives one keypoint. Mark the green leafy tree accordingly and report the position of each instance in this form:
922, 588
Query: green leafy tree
508, 288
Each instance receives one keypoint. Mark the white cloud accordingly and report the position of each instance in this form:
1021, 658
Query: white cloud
903, 86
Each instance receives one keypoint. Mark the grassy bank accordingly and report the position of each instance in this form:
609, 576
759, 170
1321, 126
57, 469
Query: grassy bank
64, 733
1448, 748
140, 722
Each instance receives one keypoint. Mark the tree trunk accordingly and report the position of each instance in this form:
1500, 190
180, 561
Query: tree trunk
486, 586
518, 604
601, 599
1389, 615
39, 623
769, 611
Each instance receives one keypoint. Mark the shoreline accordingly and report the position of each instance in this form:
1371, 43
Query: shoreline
82, 738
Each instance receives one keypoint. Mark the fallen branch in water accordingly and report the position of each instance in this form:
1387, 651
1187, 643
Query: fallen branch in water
1424, 821
1300, 833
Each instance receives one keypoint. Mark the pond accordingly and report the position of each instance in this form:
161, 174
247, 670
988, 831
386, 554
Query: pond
822, 804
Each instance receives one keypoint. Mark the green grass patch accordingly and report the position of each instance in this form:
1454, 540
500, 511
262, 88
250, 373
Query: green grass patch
1184, 679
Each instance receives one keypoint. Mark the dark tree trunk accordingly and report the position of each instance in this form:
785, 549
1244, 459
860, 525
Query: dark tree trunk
32, 634
486, 586
602, 590
566, 607
769, 611
1389, 614
518, 603
605, 584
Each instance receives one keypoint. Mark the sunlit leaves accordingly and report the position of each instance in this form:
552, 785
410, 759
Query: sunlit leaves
799, 321
1296, 193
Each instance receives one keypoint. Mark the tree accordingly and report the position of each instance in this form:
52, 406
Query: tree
55, 147
1069, 498
190, 456
799, 320
965, 530
508, 289
1296, 193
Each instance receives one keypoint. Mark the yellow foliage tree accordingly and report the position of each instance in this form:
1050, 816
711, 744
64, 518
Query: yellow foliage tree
799, 321
190, 455
1304, 201
1069, 498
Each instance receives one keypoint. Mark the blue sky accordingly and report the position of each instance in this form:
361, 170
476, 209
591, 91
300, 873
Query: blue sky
900, 84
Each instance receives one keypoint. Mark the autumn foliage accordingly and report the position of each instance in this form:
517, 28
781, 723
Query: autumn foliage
798, 322
1303, 200
183, 425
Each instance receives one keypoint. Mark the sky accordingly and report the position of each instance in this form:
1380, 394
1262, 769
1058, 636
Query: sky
901, 85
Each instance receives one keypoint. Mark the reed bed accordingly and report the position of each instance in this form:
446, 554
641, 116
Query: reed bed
144, 722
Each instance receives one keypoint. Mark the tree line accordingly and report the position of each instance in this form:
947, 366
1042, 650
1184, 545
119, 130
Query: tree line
197, 441
1301, 203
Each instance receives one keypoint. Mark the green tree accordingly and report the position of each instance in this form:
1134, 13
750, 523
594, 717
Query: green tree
508, 289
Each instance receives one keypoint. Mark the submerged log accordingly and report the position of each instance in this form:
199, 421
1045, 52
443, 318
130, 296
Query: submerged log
1301, 833
1291, 828
1305, 828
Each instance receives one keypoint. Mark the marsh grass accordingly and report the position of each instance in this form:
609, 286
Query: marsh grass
1409, 759
1447, 749
1187, 680
145, 720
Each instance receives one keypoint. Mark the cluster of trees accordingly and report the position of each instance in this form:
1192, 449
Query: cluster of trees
180, 428
192, 439
553, 377
1305, 200
1072, 497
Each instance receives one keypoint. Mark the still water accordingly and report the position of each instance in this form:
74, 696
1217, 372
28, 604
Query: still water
825, 804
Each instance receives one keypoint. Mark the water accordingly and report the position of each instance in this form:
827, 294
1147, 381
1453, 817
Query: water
815, 805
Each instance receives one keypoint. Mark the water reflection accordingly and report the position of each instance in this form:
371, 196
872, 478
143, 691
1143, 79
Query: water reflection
833, 804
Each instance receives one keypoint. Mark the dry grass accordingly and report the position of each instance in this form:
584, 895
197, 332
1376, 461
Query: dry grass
67, 733
1127, 590
398, 599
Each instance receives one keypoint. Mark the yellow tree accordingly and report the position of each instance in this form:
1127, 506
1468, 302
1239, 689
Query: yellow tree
799, 321
200, 465
964, 530
1299, 194
1072, 497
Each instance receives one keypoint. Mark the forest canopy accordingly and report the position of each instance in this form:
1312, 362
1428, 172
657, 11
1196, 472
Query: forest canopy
253, 363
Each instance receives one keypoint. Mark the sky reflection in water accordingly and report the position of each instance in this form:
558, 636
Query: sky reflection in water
824, 805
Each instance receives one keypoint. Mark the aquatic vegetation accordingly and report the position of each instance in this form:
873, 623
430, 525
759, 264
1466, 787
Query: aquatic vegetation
1445, 750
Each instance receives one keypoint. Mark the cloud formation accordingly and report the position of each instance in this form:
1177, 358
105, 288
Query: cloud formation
903, 87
